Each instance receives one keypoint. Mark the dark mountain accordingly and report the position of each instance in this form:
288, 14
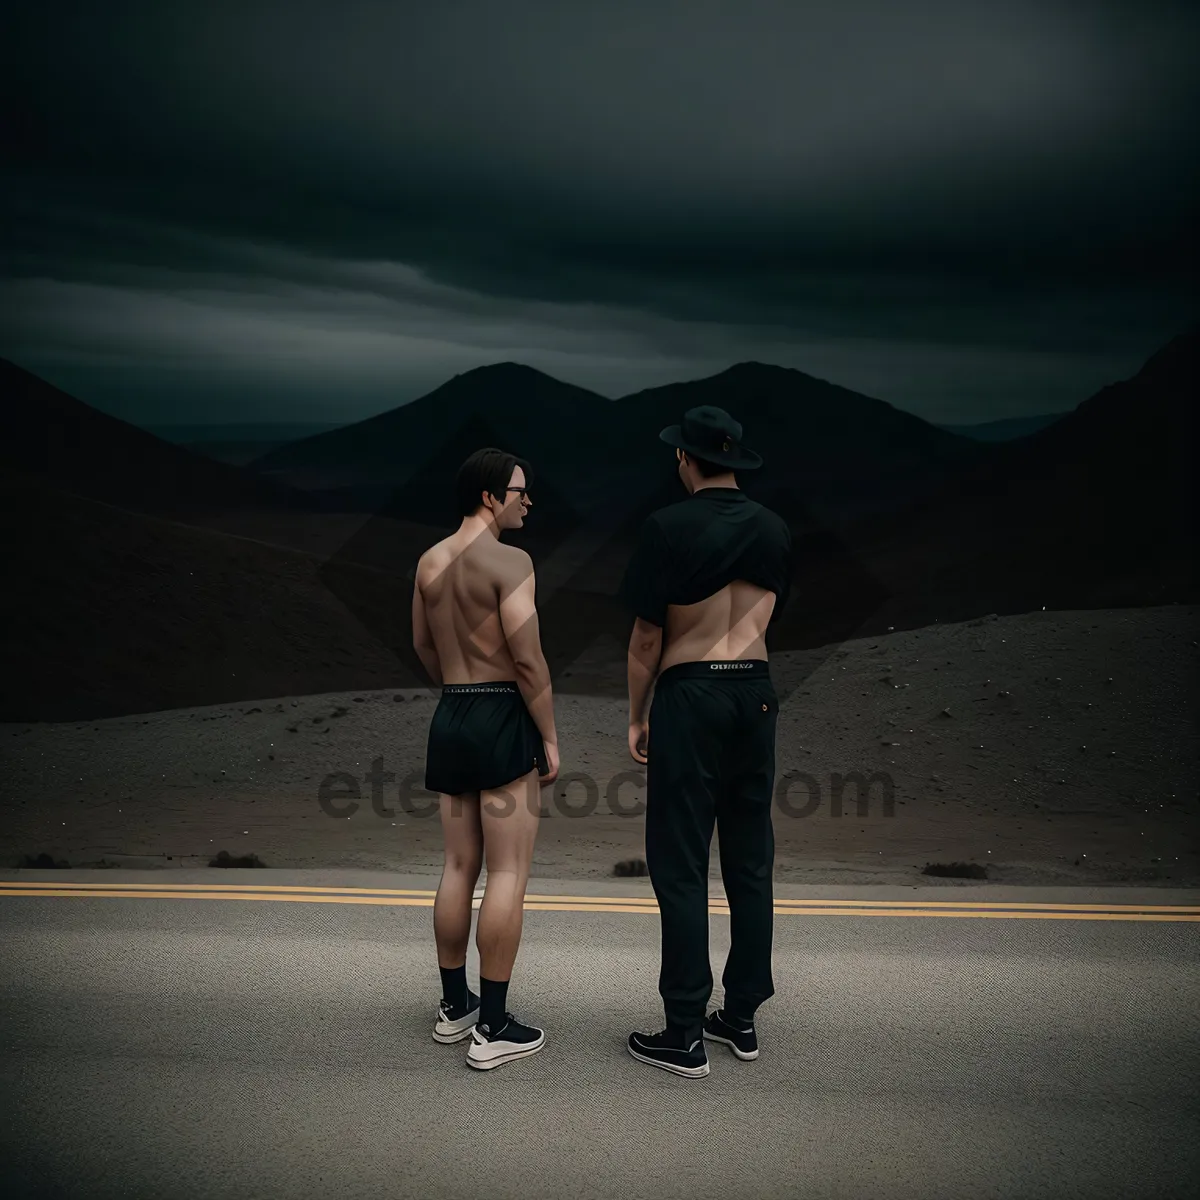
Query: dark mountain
276, 432
111, 612
51, 436
846, 453
1005, 429
786, 412
535, 416
1094, 510
238, 443
836, 451
236, 453
1124, 454
1156, 408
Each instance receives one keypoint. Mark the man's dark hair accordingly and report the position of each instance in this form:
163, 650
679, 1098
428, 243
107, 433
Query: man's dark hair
487, 470
707, 469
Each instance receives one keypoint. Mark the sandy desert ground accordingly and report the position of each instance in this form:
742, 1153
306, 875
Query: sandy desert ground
1054, 747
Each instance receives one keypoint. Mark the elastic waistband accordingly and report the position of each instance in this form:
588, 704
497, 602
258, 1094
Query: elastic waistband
738, 668
492, 685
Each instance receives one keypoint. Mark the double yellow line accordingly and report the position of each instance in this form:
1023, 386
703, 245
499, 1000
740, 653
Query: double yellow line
616, 904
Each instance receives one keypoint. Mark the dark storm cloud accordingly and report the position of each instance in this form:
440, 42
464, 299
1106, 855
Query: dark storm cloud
953, 200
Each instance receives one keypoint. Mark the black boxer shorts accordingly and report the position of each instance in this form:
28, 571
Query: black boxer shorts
481, 736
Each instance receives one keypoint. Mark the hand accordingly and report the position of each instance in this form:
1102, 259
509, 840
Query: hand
551, 762
639, 740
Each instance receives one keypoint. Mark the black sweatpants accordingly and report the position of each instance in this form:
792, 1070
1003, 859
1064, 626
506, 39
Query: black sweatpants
711, 757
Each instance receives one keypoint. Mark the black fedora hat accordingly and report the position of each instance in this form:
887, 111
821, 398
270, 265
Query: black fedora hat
712, 434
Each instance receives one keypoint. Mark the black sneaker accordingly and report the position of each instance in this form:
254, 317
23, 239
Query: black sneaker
740, 1038
660, 1050
511, 1040
454, 1024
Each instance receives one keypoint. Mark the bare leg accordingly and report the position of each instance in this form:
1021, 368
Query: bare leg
464, 858
509, 817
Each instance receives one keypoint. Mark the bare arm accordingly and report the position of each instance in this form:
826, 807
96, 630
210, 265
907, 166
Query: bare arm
645, 652
519, 620
422, 639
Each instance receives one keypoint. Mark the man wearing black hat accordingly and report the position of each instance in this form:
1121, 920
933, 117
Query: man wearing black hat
708, 576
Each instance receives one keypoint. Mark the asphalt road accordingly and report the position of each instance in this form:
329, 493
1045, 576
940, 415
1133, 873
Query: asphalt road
227, 1043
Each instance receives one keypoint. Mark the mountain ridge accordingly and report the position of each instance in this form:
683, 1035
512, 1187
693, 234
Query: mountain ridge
47, 432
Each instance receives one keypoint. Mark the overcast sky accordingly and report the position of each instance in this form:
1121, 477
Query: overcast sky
301, 211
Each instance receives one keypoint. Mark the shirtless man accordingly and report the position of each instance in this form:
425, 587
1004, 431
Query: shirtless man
708, 576
492, 741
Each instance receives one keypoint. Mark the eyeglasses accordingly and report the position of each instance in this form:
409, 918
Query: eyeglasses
524, 492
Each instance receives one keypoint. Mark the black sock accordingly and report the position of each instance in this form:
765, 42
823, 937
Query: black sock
454, 986
493, 997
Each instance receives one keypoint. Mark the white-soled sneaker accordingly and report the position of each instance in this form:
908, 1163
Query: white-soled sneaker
510, 1041
660, 1050
454, 1025
739, 1037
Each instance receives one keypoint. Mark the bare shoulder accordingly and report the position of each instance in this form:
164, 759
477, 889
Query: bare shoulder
512, 566
488, 560
434, 560
430, 559
514, 554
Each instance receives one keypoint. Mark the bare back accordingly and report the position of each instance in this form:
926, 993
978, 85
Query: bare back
709, 573
461, 582
729, 624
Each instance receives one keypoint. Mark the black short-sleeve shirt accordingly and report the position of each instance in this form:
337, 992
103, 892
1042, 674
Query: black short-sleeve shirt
690, 550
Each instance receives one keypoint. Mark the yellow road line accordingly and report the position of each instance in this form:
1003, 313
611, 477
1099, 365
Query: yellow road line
212, 887
615, 904
998, 904
280, 891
